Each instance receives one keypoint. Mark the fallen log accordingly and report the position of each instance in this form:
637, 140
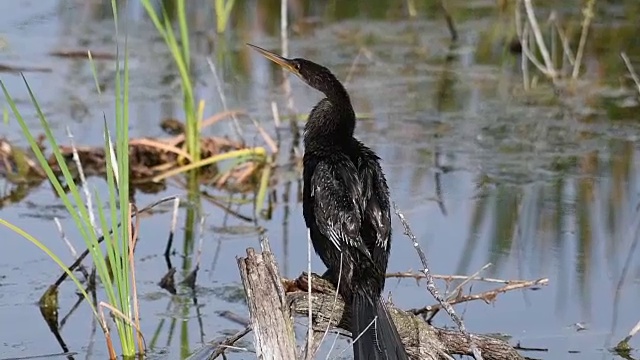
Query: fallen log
272, 302
421, 340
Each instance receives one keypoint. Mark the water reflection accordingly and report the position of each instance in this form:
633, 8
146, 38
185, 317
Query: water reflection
535, 184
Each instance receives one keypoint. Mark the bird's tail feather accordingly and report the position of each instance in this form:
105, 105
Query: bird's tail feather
374, 333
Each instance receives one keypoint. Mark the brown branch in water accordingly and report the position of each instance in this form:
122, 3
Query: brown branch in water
21, 69
421, 340
272, 301
82, 54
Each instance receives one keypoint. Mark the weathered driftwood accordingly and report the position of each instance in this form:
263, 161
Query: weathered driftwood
271, 318
273, 300
421, 340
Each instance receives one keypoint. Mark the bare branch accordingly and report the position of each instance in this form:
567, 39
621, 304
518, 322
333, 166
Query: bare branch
431, 286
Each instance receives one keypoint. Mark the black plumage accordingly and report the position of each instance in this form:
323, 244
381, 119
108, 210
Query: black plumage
346, 209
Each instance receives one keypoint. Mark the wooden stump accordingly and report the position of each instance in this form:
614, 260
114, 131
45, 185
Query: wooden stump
271, 319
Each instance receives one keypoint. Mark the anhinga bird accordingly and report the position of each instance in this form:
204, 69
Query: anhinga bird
346, 209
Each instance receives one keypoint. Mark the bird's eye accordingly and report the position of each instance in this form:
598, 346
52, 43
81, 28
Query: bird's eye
297, 65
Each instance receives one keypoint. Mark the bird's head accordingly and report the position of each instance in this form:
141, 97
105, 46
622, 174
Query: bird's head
314, 75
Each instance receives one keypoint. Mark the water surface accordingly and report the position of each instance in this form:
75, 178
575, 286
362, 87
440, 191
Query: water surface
537, 185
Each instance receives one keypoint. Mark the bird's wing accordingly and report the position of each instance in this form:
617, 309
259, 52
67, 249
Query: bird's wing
337, 202
377, 208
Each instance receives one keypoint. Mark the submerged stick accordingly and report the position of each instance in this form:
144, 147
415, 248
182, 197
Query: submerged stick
451, 25
172, 230
623, 345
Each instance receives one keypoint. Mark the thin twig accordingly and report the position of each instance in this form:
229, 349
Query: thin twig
564, 40
363, 51
284, 35
203, 220
85, 253
284, 42
487, 296
522, 30
528, 54
550, 70
352, 68
265, 136
524, 60
133, 239
467, 280
229, 341
72, 249
172, 229
123, 317
632, 71
432, 287
276, 114
236, 125
624, 342
210, 121
375, 318
419, 275
586, 22
335, 301
83, 183
310, 312
107, 334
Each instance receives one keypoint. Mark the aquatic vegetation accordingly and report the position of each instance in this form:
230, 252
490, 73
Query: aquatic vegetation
181, 53
223, 12
256, 158
114, 264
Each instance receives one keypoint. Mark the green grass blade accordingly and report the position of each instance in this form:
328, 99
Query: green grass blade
94, 72
184, 32
262, 190
79, 216
107, 280
182, 57
122, 272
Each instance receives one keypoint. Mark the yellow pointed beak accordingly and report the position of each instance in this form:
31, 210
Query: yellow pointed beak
284, 62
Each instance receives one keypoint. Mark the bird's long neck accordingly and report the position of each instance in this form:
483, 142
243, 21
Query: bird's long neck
332, 121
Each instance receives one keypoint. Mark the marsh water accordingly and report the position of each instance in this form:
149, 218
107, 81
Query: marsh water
539, 184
